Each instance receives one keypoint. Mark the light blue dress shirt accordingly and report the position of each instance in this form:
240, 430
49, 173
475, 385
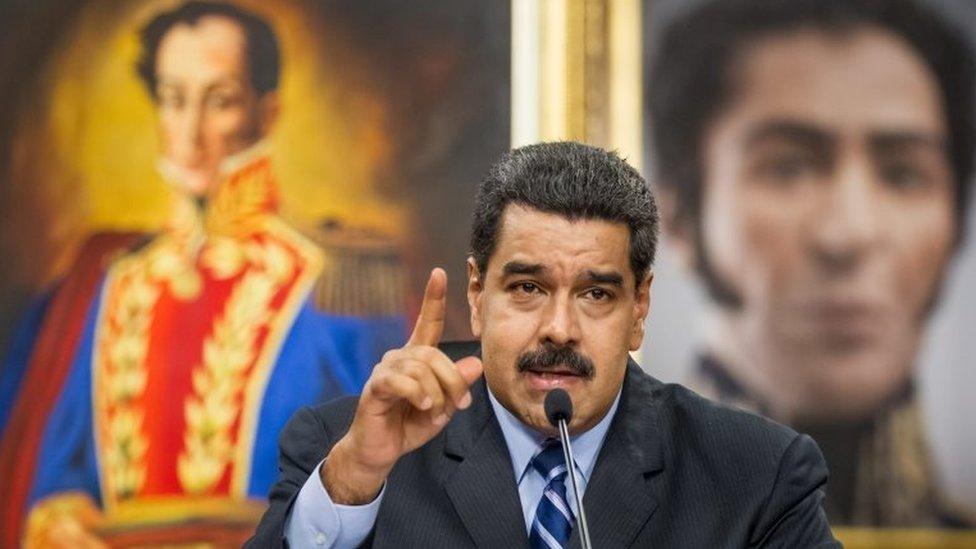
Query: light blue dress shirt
316, 521
523, 443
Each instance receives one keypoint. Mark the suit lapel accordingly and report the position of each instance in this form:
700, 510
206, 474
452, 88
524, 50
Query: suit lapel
619, 499
482, 487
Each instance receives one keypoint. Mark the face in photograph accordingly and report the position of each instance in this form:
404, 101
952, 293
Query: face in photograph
828, 215
565, 286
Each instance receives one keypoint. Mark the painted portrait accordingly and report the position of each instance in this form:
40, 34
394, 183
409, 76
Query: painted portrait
203, 202
815, 165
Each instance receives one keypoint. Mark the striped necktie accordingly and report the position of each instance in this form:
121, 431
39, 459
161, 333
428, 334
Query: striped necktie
553, 520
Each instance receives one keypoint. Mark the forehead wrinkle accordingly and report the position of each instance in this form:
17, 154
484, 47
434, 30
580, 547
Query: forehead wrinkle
559, 245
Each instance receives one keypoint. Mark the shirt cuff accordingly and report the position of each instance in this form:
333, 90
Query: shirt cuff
316, 521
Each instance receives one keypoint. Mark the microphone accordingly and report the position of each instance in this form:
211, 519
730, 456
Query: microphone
559, 411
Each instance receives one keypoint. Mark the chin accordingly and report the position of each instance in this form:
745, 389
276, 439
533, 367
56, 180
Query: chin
853, 390
198, 185
192, 181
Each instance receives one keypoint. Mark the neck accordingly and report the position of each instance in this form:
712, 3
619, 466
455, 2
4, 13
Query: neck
173, 174
245, 194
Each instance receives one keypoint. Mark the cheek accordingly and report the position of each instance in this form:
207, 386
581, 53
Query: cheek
721, 222
229, 131
506, 330
751, 238
610, 359
605, 339
606, 343
168, 124
505, 334
922, 248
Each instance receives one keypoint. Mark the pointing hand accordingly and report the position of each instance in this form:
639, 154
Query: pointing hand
410, 396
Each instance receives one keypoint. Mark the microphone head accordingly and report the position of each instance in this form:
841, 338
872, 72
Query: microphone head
558, 406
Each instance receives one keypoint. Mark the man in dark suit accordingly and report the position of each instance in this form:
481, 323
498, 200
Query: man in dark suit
441, 452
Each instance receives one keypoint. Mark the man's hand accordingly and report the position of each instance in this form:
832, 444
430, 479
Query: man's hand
410, 396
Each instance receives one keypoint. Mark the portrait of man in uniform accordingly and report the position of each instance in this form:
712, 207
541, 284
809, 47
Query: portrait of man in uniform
152, 380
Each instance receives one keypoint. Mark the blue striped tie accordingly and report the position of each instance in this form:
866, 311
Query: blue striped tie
554, 519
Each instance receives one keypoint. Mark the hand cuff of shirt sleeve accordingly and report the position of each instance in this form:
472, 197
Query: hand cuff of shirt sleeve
316, 521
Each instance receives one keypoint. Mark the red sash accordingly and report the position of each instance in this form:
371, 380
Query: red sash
51, 359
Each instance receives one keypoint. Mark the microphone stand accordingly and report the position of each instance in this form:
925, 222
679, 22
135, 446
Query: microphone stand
571, 466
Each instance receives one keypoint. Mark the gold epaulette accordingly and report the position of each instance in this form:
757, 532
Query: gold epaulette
362, 273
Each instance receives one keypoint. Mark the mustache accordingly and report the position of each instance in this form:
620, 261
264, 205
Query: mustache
549, 356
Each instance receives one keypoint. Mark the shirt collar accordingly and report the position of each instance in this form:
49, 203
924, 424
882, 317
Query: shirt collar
523, 441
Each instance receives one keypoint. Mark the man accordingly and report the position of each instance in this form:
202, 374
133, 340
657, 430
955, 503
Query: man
815, 159
181, 369
437, 453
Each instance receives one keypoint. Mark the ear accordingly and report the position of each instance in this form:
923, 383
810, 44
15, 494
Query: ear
476, 291
679, 230
642, 305
269, 108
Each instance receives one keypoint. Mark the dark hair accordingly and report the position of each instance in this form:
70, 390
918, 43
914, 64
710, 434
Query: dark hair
571, 180
691, 80
263, 55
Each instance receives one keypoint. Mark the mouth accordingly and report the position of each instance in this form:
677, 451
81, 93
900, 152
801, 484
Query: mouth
849, 324
546, 380
851, 312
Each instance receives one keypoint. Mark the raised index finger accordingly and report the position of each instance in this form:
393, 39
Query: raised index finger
430, 322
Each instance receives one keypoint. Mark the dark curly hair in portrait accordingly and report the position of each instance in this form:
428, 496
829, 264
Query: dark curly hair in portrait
263, 52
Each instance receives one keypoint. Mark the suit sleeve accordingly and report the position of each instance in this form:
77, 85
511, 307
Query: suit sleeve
793, 516
302, 445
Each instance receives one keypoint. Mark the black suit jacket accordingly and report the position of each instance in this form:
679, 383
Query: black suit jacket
675, 470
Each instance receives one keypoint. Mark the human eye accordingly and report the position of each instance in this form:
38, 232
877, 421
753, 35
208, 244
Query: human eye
524, 288
525, 291
785, 162
170, 98
598, 294
789, 167
221, 101
904, 176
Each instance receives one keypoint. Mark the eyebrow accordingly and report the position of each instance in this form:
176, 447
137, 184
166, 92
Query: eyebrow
612, 278
163, 80
811, 135
791, 130
520, 268
897, 140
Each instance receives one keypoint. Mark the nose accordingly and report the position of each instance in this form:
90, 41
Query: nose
560, 324
847, 221
188, 137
